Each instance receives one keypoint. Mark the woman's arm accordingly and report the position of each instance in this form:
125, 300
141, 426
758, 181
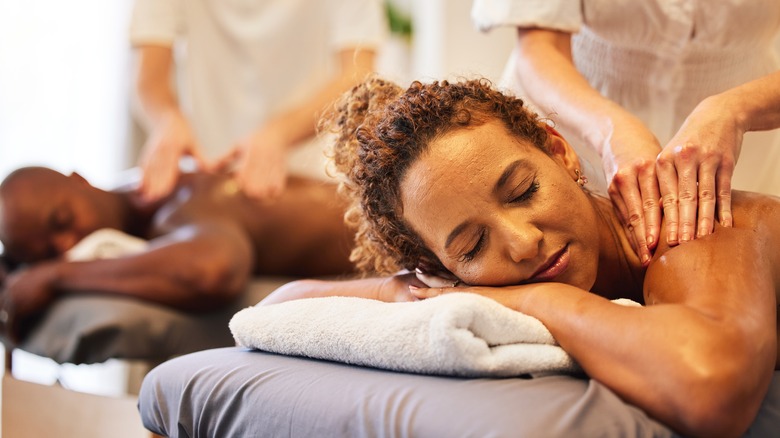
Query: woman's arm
699, 357
388, 289
627, 148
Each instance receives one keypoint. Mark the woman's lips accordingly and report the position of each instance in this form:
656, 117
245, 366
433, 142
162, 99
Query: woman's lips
554, 267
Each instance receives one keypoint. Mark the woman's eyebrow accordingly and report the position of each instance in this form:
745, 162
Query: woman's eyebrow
455, 233
508, 172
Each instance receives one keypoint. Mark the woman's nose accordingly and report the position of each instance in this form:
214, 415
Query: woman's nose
522, 241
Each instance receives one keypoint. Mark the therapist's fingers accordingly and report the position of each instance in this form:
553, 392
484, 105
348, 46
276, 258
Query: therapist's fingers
648, 187
201, 162
617, 201
667, 184
224, 162
622, 211
688, 198
263, 182
723, 181
707, 199
625, 190
159, 176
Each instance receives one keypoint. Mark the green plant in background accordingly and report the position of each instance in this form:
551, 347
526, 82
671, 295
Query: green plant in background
399, 21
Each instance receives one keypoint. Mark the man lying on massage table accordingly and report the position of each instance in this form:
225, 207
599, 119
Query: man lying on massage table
205, 240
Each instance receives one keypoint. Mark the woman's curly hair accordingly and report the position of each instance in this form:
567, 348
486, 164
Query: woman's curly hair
380, 130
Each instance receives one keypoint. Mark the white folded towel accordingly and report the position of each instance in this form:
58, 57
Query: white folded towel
105, 243
459, 334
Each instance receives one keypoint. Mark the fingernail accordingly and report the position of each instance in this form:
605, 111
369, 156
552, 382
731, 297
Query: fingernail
413, 288
645, 259
686, 236
650, 239
671, 237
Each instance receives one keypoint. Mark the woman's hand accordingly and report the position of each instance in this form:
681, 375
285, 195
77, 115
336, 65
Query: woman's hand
629, 165
513, 297
400, 287
695, 169
171, 139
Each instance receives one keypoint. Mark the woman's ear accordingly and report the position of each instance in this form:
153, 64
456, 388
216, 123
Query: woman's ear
561, 151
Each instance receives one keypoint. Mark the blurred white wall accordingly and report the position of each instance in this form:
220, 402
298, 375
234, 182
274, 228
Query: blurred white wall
447, 45
444, 44
64, 73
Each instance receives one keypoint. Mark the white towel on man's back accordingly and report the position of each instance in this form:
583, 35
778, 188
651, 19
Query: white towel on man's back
458, 334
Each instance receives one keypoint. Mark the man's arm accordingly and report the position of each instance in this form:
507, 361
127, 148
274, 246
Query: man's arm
195, 268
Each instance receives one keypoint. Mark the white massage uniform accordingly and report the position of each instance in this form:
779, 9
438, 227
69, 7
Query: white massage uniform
240, 62
659, 58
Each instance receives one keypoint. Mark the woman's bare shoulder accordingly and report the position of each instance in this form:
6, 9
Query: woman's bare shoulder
756, 211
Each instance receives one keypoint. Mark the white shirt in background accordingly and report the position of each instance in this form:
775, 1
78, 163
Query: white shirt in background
240, 62
659, 58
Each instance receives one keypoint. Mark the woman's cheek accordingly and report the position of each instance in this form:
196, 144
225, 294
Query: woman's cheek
490, 274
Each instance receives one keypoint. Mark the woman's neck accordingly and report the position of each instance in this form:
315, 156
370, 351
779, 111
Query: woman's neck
620, 273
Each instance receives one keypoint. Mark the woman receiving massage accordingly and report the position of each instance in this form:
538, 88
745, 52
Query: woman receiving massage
459, 181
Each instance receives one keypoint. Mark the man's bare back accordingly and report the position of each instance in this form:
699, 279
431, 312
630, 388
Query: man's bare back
300, 233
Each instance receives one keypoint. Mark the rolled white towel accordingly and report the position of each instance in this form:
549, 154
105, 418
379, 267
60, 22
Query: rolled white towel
105, 243
458, 334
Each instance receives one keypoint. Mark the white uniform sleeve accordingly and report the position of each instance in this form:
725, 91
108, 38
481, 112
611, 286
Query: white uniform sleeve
357, 23
563, 15
156, 21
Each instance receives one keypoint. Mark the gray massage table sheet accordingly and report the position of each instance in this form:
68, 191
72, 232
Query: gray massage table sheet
90, 328
235, 392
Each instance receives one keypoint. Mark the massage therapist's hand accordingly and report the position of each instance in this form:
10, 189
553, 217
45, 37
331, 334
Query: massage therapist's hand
261, 163
695, 169
171, 139
629, 165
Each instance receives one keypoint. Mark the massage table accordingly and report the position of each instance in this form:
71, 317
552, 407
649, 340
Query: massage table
237, 392
458, 365
92, 333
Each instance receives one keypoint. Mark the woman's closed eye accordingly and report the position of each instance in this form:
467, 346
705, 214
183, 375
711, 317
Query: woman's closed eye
474, 251
524, 194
